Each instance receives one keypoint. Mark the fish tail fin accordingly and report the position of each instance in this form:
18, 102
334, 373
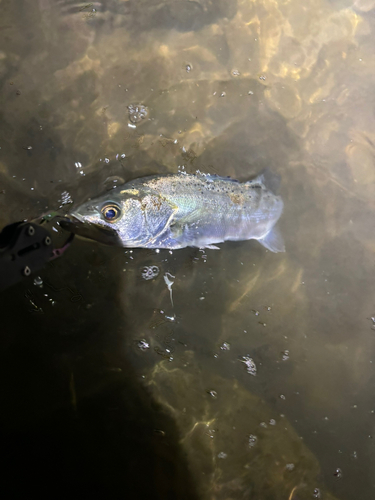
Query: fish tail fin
273, 241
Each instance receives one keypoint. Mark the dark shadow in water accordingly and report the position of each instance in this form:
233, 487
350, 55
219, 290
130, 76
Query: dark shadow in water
75, 419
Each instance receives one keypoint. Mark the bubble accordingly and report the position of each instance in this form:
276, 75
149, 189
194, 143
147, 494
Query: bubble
225, 346
188, 68
272, 421
137, 112
38, 281
316, 493
143, 345
250, 365
252, 440
65, 199
338, 473
282, 396
250, 92
106, 160
235, 72
222, 455
150, 272
210, 433
223, 94
213, 394
285, 355
159, 432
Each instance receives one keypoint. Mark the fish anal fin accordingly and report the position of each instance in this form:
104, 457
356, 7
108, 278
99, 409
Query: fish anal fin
212, 247
273, 241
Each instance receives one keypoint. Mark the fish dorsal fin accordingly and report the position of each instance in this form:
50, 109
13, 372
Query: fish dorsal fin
273, 241
214, 177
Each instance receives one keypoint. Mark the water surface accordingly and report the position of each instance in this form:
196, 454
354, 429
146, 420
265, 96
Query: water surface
107, 386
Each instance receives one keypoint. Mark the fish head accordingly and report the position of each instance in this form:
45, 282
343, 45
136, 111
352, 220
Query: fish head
118, 216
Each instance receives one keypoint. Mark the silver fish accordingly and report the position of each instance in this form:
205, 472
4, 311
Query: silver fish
181, 210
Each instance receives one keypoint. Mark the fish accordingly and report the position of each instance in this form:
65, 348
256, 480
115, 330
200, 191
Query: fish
175, 211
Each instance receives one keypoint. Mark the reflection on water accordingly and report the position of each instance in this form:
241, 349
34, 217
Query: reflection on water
108, 381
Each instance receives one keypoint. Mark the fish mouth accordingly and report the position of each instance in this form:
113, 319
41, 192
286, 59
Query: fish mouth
76, 224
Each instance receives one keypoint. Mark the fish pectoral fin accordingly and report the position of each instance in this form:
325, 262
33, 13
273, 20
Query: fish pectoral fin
273, 241
185, 233
159, 214
186, 226
189, 236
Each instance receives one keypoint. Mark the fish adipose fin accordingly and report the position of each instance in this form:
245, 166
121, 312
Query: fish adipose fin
273, 241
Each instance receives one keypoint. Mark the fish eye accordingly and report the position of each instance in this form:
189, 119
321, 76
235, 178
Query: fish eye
111, 212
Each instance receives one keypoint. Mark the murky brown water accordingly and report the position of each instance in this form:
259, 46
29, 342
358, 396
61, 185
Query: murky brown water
102, 391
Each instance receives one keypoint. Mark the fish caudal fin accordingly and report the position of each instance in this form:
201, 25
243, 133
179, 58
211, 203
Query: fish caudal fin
273, 241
